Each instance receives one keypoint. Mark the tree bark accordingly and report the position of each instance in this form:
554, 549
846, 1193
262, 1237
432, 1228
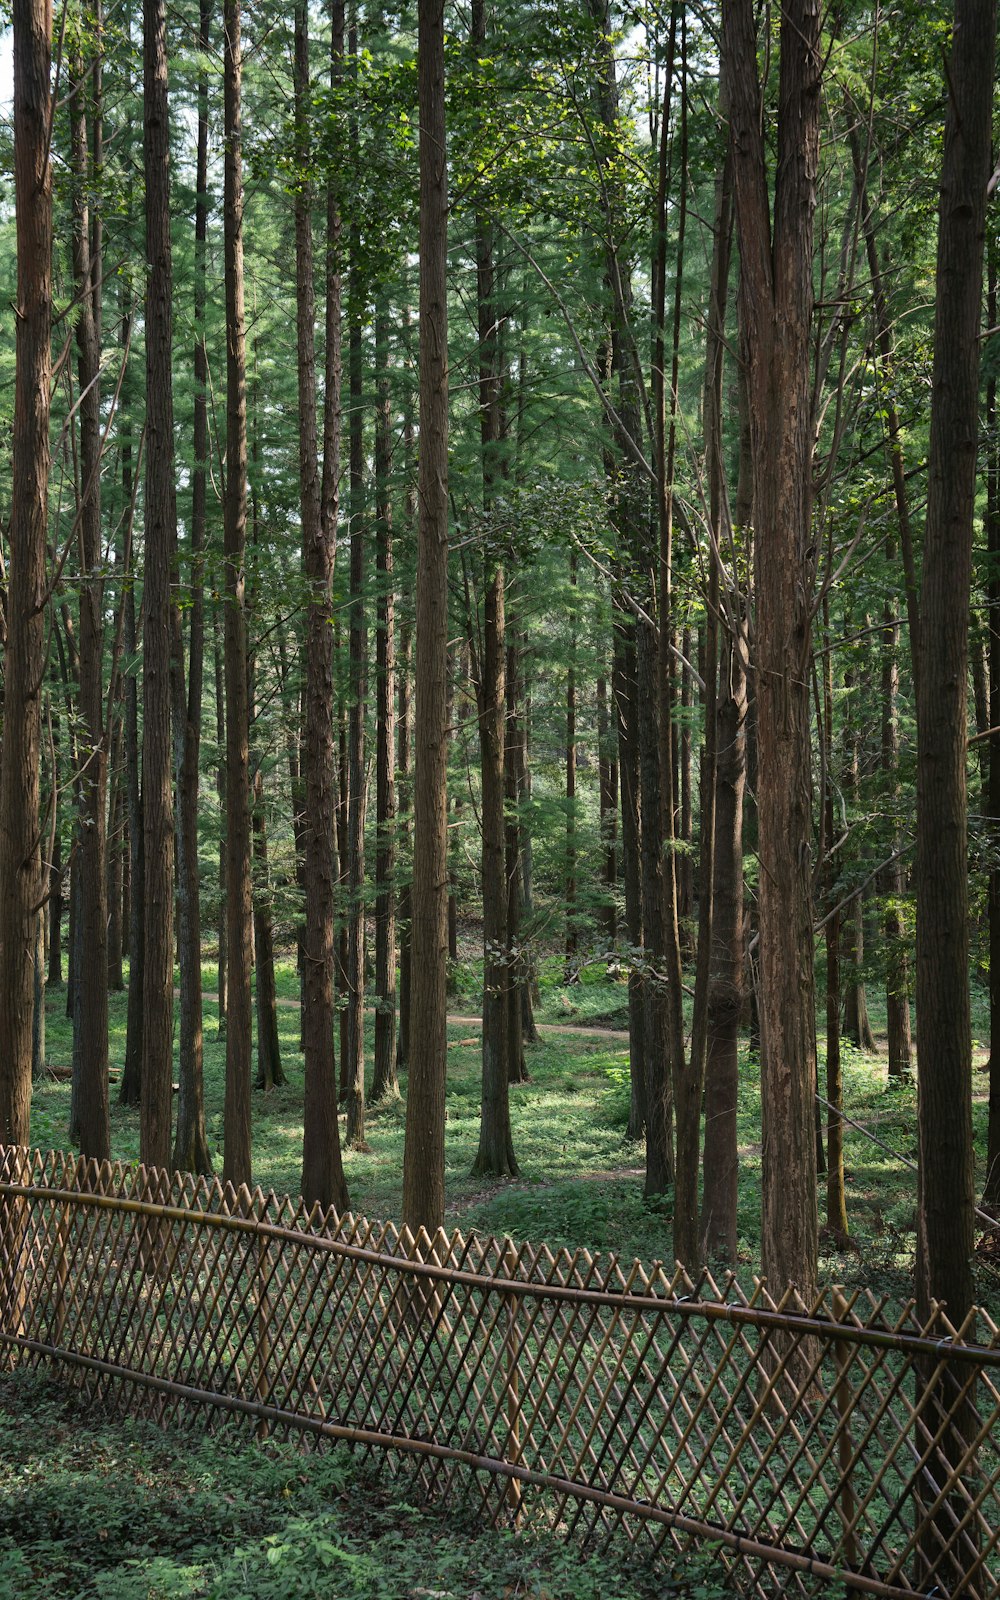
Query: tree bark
423, 1158
991, 1189
24, 663
353, 1067
323, 1179
725, 994
495, 1155
161, 548
517, 987
223, 794
270, 1074
116, 854
943, 1025
90, 1018
405, 897
385, 1085
944, 1104
572, 973
608, 790
191, 1152
624, 692
776, 294
236, 1168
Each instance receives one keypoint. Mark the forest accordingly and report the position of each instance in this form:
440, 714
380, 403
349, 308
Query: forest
500, 508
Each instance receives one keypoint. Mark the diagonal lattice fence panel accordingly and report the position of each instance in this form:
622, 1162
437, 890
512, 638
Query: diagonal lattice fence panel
601, 1396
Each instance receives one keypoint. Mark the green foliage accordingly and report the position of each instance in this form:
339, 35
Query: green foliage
128, 1511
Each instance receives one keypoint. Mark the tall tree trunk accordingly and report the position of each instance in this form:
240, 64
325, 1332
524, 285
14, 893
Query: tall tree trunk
385, 1085
116, 854
55, 906
572, 973
624, 692
608, 789
353, 1068
991, 1189
725, 994
659, 1096
161, 547
191, 1152
405, 898
836, 1200
423, 1158
857, 1027
25, 653
776, 293
725, 769
323, 1179
91, 1001
944, 1040
517, 1070
223, 794
270, 1073
894, 877
495, 1155
236, 1167
130, 1089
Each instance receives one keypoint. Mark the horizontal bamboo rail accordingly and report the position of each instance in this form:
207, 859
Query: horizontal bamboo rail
808, 1442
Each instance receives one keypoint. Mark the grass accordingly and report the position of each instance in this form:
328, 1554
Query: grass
580, 1182
129, 1511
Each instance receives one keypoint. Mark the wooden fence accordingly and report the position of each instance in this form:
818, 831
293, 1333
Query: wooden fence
605, 1397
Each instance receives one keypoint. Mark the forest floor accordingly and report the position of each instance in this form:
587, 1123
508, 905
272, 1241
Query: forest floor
124, 1510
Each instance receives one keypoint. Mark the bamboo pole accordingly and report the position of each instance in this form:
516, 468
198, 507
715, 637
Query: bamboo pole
848, 1510
513, 1451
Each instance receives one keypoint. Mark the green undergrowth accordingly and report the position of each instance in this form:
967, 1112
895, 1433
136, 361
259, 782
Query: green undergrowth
129, 1511
580, 1182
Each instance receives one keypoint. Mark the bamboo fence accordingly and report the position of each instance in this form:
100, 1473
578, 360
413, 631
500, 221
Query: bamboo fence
605, 1398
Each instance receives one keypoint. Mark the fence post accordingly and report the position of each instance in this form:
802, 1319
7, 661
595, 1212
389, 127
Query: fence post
842, 1356
513, 1450
263, 1314
62, 1276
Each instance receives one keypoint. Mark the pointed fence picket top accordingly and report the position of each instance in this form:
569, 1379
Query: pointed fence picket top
609, 1398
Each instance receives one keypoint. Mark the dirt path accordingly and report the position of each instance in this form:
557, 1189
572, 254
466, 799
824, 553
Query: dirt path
613, 1035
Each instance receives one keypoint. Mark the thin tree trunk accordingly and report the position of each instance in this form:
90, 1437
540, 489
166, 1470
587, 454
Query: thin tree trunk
160, 554
405, 901
223, 794
517, 1070
270, 1074
836, 1199
90, 1020
894, 878
236, 1168
423, 1158
608, 789
991, 1189
116, 856
625, 697
385, 1085
131, 1080
191, 1152
495, 1155
721, 888
659, 1096
323, 1179
572, 973
55, 911
353, 1068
